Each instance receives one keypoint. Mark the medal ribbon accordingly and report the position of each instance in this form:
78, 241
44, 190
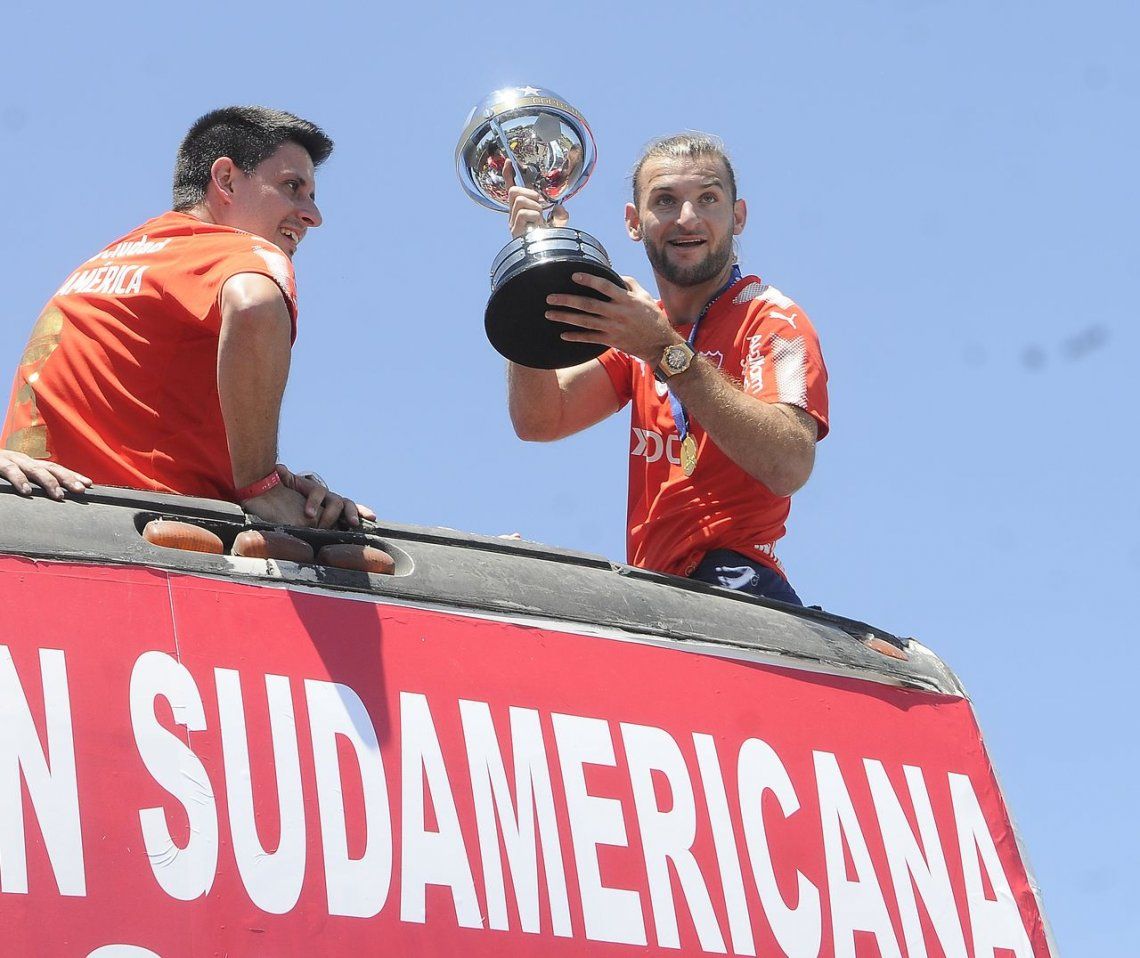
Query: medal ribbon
680, 417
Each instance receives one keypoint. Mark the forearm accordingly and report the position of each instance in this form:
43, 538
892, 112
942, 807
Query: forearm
548, 404
534, 398
770, 442
253, 366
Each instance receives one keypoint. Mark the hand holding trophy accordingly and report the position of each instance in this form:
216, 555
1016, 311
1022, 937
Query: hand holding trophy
533, 138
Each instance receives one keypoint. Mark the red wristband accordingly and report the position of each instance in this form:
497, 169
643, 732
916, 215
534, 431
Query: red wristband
259, 488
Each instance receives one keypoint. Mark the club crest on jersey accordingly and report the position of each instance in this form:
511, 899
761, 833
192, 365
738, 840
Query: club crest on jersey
714, 356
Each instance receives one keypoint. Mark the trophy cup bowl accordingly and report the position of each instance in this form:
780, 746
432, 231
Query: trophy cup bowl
551, 149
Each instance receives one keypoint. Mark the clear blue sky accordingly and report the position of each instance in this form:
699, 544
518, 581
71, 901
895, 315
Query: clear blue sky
949, 189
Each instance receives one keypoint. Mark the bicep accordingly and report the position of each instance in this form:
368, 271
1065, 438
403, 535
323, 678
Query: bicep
255, 339
252, 295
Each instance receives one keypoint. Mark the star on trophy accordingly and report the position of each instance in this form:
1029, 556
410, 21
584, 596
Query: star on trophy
549, 148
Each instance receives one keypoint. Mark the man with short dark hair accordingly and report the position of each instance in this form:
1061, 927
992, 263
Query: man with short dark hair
161, 362
728, 385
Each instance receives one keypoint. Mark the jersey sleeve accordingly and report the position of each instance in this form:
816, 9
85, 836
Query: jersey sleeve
201, 288
619, 367
783, 362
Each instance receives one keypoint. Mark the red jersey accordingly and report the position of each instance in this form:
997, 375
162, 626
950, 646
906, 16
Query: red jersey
765, 343
119, 379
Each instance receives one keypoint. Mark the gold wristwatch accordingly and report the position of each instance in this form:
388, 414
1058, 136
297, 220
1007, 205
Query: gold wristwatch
676, 359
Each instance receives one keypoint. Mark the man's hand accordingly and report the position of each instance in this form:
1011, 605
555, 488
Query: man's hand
24, 473
304, 500
527, 206
631, 321
280, 506
324, 508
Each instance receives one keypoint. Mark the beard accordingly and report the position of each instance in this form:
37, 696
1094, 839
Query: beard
716, 259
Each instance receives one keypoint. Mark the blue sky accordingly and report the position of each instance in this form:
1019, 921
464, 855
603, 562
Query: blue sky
949, 190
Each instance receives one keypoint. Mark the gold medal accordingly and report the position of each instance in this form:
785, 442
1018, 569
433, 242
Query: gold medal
688, 454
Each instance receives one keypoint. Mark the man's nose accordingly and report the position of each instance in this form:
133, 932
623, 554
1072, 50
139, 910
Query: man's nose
311, 214
688, 214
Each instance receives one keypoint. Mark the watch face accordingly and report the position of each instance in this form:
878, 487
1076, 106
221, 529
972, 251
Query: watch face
675, 358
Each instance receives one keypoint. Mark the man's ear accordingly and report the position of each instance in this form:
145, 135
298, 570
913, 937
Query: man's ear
739, 217
632, 222
223, 173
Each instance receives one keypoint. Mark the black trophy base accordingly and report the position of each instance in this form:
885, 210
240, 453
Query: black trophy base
525, 273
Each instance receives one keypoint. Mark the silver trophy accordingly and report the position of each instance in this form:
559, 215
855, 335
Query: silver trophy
549, 148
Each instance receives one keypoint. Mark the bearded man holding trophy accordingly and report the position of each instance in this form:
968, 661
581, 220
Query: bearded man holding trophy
724, 372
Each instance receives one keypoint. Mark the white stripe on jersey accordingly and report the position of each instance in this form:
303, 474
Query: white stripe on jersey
789, 357
750, 292
769, 294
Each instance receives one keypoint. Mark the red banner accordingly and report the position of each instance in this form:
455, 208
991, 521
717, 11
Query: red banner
194, 767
